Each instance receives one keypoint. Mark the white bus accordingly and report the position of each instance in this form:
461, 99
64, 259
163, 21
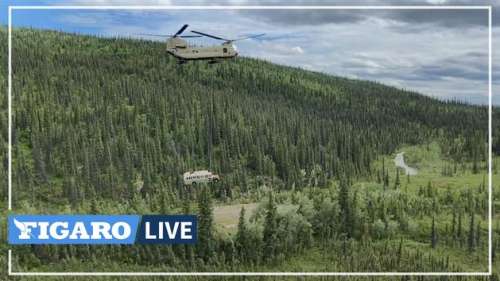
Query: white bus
197, 177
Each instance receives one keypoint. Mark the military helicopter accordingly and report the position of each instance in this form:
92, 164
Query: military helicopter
183, 51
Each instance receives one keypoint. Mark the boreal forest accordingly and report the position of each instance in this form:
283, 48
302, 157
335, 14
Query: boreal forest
308, 163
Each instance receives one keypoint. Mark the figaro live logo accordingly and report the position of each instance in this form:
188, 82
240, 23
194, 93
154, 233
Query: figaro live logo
102, 229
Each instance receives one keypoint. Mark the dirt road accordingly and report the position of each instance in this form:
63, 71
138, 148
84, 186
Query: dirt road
400, 162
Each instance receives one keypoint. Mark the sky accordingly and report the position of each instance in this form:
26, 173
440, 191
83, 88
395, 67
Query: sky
440, 53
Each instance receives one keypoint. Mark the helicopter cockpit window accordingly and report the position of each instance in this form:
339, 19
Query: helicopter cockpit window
224, 50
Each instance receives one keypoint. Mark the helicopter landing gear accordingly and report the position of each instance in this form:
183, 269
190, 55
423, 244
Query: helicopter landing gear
179, 62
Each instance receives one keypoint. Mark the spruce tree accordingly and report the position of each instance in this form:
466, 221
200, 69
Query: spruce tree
242, 238
270, 230
397, 182
433, 233
386, 180
345, 208
453, 222
471, 238
459, 227
205, 244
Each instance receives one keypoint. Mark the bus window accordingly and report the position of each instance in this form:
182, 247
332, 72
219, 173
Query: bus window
224, 50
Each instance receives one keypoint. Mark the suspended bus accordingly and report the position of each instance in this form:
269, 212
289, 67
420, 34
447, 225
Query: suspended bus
198, 177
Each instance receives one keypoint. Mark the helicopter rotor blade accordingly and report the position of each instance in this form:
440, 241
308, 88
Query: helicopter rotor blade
211, 36
169, 35
225, 39
248, 37
180, 30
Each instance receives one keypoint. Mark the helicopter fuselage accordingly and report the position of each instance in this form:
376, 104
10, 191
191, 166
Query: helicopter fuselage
180, 49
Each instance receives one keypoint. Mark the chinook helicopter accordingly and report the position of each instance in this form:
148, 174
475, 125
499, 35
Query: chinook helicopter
180, 49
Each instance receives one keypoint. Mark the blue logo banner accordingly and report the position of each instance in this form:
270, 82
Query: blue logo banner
72, 229
102, 229
175, 229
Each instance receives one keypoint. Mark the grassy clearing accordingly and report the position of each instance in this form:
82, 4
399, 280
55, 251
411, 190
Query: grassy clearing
227, 215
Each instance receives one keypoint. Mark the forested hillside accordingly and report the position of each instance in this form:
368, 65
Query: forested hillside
106, 125
99, 114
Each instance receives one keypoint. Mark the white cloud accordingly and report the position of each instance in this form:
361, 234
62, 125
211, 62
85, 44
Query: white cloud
280, 49
298, 50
